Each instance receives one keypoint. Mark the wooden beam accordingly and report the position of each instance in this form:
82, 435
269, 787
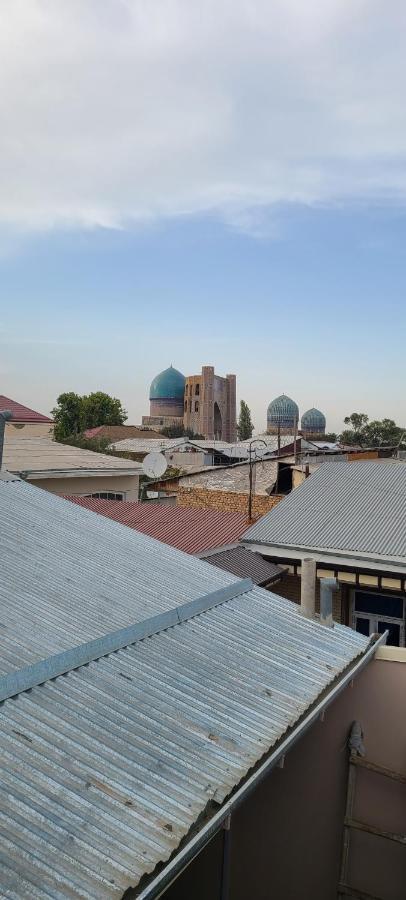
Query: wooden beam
370, 829
380, 770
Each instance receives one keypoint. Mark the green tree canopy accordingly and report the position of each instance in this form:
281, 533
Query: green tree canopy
378, 433
73, 414
178, 431
245, 426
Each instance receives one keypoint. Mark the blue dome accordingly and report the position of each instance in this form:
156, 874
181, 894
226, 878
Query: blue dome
314, 421
283, 411
168, 385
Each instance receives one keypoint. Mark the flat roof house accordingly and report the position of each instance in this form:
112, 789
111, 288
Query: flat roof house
170, 730
350, 518
63, 469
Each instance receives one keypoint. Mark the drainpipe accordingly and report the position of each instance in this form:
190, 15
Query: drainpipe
225, 869
327, 586
308, 588
5, 415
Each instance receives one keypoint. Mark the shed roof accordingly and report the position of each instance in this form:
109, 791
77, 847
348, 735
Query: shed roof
45, 458
358, 509
121, 432
190, 530
20, 413
234, 478
246, 564
105, 769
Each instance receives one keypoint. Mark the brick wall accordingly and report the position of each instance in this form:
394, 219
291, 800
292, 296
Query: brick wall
289, 587
229, 501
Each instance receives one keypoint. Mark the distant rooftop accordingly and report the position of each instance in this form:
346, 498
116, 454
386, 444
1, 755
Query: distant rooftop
350, 508
20, 413
121, 432
191, 530
234, 478
45, 458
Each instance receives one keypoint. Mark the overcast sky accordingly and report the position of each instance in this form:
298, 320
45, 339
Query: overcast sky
204, 182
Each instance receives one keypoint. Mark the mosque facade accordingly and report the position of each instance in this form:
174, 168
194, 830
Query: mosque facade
204, 403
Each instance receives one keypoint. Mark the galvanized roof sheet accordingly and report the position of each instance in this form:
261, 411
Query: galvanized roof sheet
78, 575
246, 564
190, 530
106, 768
358, 507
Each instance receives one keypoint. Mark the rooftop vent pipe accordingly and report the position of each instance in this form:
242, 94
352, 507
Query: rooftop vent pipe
5, 415
308, 588
327, 586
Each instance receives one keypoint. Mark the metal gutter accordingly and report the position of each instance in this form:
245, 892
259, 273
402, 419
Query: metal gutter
30, 676
372, 561
185, 856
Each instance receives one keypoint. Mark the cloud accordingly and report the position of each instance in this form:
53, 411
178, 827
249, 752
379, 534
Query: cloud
127, 111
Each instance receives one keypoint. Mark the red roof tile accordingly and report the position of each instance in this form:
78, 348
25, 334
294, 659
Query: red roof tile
191, 530
22, 413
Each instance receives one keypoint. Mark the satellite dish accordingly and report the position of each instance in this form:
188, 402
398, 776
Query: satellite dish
154, 465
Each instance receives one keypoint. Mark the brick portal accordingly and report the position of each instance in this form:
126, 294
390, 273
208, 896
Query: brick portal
210, 405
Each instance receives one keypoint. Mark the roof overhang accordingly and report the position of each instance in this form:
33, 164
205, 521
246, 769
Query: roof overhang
332, 559
36, 475
198, 841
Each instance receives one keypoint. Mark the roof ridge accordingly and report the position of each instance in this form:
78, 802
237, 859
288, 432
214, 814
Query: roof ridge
61, 663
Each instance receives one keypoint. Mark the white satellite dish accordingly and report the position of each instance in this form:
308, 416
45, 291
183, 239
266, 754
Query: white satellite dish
154, 465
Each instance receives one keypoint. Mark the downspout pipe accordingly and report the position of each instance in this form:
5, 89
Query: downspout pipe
192, 848
327, 586
5, 416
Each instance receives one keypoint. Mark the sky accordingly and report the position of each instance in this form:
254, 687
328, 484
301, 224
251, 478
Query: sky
218, 183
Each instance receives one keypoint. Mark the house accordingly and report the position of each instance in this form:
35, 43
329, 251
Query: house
351, 518
24, 422
169, 730
207, 533
63, 469
227, 487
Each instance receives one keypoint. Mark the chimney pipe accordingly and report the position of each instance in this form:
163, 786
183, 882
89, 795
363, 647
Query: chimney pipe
5, 415
327, 586
308, 588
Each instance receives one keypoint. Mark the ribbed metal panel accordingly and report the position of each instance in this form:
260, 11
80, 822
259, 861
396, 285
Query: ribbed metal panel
359, 507
69, 575
104, 770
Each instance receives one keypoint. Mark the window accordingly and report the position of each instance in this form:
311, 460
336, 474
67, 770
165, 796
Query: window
186, 390
190, 406
197, 390
196, 406
185, 405
374, 613
106, 495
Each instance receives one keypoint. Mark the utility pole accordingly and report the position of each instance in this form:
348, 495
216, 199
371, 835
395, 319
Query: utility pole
252, 475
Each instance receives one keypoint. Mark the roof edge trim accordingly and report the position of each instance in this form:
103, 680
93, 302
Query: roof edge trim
61, 663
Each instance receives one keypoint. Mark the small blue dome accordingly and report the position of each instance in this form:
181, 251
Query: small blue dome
283, 412
314, 421
168, 385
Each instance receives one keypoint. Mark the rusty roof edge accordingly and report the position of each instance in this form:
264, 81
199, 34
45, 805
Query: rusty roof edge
61, 663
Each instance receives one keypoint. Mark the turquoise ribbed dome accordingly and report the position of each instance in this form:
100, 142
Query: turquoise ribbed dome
168, 385
313, 420
283, 411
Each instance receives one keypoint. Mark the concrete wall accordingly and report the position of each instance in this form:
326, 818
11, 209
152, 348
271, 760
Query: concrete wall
128, 484
286, 838
228, 501
185, 460
15, 430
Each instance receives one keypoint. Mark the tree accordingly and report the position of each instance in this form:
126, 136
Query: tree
384, 433
74, 414
245, 426
330, 437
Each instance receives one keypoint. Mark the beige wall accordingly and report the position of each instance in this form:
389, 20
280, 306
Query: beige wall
127, 484
286, 838
185, 460
28, 430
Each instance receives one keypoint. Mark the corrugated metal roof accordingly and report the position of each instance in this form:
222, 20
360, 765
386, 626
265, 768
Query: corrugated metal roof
246, 564
190, 530
234, 478
354, 507
106, 768
39, 456
22, 413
